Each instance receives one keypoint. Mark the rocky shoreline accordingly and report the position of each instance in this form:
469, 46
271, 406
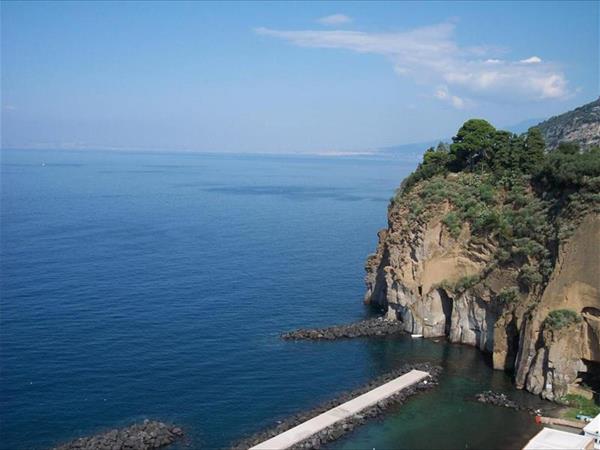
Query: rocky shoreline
149, 434
499, 399
340, 428
379, 326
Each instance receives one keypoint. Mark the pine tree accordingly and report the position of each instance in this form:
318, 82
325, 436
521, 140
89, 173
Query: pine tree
473, 144
532, 154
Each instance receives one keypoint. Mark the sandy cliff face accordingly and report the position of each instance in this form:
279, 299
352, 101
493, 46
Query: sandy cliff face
406, 273
549, 361
437, 284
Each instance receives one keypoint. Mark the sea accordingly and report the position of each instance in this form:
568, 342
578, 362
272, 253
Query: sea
156, 284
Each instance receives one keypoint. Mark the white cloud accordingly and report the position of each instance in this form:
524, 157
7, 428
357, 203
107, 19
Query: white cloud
334, 19
442, 93
532, 60
431, 55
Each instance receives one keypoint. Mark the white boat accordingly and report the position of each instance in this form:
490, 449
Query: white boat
416, 335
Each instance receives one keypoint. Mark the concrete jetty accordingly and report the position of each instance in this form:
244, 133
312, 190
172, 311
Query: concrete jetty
577, 424
307, 429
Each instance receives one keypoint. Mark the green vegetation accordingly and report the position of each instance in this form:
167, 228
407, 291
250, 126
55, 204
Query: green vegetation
434, 162
510, 191
567, 167
561, 318
530, 276
466, 282
453, 222
579, 405
461, 285
479, 147
508, 295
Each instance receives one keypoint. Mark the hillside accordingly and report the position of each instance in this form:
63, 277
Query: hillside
582, 125
493, 242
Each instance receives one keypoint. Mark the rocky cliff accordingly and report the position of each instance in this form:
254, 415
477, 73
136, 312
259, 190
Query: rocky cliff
550, 360
512, 268
582, 125
414, 274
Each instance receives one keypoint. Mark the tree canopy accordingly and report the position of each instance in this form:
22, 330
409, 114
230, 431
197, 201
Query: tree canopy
472, 145
479, 147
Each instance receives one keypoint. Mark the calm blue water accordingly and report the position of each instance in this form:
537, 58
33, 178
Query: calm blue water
155, 285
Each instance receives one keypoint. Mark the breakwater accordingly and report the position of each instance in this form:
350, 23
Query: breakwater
500, 399
349, 423
147, 435
365, 328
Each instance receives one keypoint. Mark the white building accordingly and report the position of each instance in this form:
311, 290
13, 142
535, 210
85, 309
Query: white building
551, 439
592, 430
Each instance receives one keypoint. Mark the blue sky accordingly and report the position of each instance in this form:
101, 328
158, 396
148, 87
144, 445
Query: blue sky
286, 77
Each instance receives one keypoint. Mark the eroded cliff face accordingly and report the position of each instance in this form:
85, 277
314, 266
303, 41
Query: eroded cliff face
549, 361
439, 284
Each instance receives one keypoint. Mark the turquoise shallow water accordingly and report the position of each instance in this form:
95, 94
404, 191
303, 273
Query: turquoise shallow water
155, 285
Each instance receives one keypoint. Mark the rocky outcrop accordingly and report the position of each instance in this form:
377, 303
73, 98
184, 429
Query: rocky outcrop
377, 327
500, 399
437, 284
147, 435
582, 125
408, 274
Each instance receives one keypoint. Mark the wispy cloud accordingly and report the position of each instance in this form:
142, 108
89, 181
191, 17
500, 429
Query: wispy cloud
334, 19
531, 60
431, 56
442, 93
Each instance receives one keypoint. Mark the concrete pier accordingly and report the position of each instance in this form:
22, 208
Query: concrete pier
306, 429
577, 424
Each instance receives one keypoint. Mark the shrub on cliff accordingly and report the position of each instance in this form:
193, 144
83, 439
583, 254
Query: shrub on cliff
508, 295
530, 276
435, 161
461, 285
453, 223
561, 318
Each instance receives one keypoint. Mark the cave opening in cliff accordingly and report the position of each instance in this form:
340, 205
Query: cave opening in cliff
595, 312
590, 379
447, 305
